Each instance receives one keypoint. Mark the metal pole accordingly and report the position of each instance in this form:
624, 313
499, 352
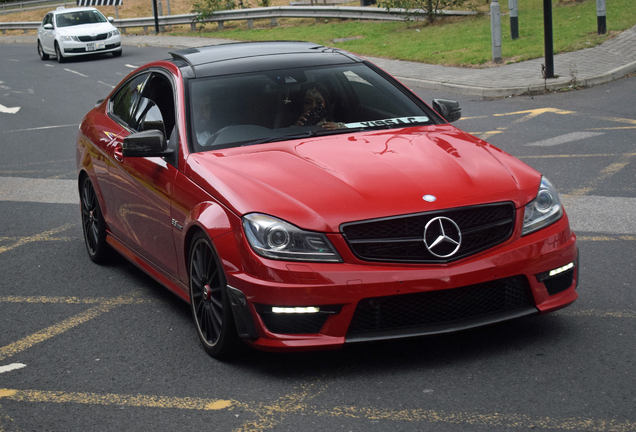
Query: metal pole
495, 30
154, 9
547, 37
514, 19
600, 17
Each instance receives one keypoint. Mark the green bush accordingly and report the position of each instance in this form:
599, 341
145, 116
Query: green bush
418, 8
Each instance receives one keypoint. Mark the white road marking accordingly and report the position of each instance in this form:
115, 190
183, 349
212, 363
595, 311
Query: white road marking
42, 128
106, 84
77, 73
574, 136
131, 66
11, 367
38, 190
587, 213
6, 110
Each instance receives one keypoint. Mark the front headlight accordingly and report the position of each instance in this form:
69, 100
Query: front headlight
276, 239
113, 33
68, 38
545, 210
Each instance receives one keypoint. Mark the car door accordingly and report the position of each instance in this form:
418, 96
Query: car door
47, 35
141, 187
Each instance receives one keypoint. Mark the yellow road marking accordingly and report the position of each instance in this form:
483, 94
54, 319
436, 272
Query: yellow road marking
75, 300
115, 399
606, 238
534, 113
45, 236
606, 173
269, 416
67, 324
597, 313
575, 155
618, 119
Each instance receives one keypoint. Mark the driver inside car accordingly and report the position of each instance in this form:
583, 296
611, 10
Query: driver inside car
315, 109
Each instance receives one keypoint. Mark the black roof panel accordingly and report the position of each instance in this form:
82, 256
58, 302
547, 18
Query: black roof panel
256, 56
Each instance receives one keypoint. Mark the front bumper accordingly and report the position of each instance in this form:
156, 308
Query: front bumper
304, 306
74, 48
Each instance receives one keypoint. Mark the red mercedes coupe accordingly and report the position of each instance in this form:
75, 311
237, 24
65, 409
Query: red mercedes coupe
299, 197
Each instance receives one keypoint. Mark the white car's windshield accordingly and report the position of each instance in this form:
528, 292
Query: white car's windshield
287, 104
79, 18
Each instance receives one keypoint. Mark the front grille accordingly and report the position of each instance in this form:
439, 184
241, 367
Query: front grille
559, 283
434, 308
401, 238
101, 36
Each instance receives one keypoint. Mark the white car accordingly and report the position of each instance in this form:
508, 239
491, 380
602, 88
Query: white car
77, 31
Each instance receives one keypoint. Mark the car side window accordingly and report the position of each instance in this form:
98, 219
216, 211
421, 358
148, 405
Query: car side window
158, 89
124, 103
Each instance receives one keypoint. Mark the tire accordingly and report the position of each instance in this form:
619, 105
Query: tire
117, 53
93, 223
58, 53
41, 53
209, 301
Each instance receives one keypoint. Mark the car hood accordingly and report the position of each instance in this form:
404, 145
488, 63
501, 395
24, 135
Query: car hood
85, 29
320, 183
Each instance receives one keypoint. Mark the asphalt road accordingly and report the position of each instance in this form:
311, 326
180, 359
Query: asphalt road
87, 347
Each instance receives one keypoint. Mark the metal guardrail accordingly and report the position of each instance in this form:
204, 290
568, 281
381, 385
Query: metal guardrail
21, 6
272, 13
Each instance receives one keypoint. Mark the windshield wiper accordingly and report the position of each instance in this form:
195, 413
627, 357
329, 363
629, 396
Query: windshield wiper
307, 134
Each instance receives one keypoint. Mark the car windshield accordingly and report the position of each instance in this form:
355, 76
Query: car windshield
295, 103
79, 18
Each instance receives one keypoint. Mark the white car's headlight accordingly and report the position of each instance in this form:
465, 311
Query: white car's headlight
276, 239
68, 38
113, 33
544, 210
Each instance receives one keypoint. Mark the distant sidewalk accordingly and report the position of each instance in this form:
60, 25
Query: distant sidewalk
588, 67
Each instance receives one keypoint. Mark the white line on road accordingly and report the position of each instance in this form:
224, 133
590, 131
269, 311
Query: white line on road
42, 128
77, 73
574, 136
11, 367
7, 110
38, 190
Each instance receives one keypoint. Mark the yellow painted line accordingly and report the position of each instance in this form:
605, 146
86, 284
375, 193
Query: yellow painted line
45, 236
576, 156
534, 113
606, 173
613, 128
74, 300
606, 238
597, 313
617, 119
59, 328
115, 399
268, 417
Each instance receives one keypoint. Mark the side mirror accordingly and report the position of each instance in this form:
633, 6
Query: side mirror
149, 143
48, 27
449, 109
111, 20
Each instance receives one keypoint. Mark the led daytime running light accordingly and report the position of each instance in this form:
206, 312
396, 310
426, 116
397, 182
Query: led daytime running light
561, 269
295, 310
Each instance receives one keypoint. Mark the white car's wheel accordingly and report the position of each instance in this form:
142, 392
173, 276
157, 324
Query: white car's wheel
58, 53
41, 53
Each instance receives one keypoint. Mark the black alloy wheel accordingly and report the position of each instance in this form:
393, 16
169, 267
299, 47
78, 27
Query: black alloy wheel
209, 300
58, 53
41, 53
93, 223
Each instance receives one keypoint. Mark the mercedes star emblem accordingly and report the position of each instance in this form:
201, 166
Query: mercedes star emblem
442, 237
